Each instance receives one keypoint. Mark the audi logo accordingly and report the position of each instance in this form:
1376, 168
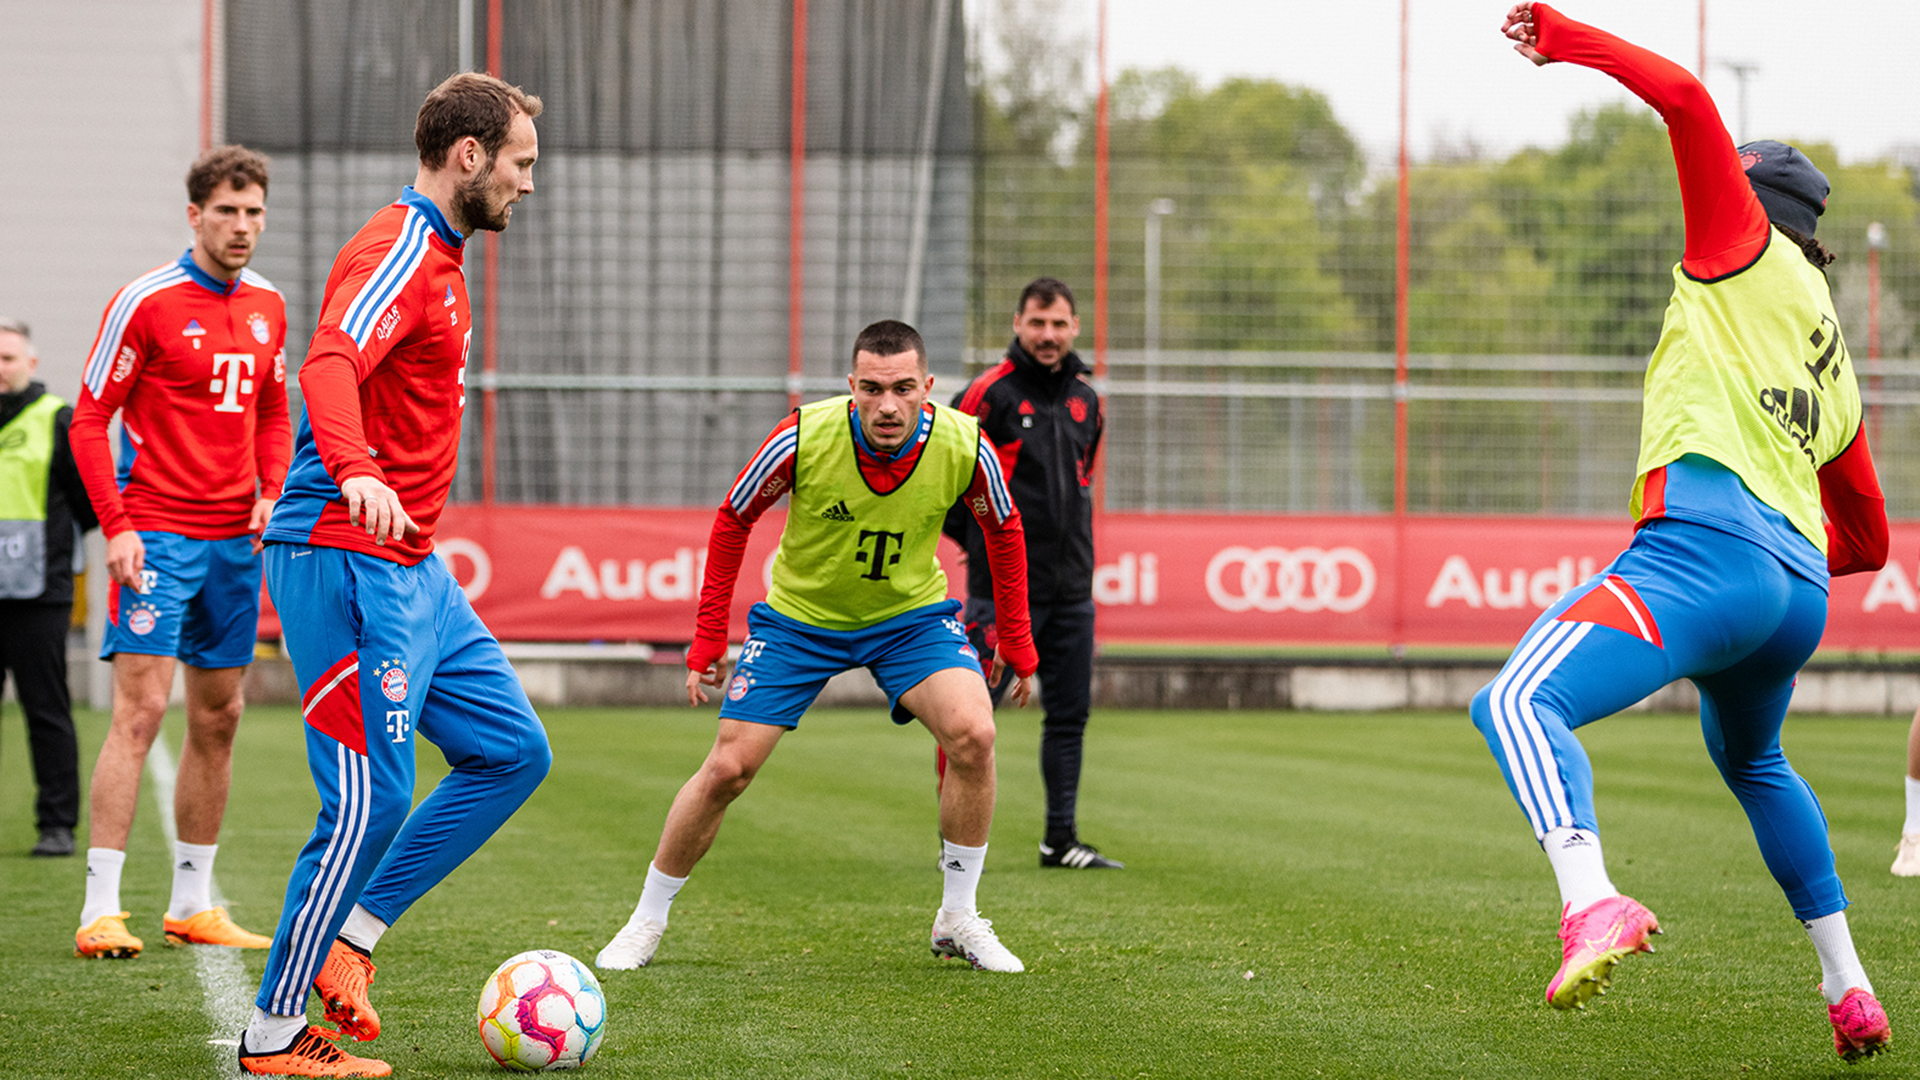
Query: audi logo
1305, 579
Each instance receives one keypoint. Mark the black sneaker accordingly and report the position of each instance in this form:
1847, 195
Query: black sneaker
55, 840
1078, 856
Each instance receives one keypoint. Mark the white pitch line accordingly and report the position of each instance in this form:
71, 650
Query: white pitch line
223, 978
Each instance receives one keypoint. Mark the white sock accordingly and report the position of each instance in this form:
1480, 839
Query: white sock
1913, 806
656, 899
961, 866
271, 1031
362, 929
192, 879
103, 883
1840, 969
1579, 867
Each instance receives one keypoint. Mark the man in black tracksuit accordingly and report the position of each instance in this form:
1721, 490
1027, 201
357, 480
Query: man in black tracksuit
1040, 411
41, 502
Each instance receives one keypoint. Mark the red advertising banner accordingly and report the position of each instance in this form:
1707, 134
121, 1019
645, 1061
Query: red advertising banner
539, 573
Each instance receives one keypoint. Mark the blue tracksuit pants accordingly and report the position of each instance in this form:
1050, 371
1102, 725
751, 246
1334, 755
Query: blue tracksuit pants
384, 652
1683, 601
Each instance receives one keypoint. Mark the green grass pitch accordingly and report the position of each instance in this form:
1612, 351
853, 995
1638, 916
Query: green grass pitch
1306, 895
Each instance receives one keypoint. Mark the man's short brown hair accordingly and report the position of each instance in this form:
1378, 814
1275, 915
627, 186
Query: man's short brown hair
1046, 290
469, 103
235, 166
890, 337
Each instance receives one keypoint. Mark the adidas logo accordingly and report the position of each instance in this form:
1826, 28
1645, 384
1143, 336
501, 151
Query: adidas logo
837, 512
185, 865
1576, 840
956, 865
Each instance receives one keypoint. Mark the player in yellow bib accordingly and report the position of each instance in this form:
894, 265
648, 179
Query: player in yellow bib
856, 583
1751, 428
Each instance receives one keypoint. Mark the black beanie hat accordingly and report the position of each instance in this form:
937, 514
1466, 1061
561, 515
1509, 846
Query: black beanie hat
1792, 190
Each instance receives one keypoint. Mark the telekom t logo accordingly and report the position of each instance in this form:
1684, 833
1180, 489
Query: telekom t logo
231, 384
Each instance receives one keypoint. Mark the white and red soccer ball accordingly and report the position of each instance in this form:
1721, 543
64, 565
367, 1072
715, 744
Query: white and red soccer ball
542, 1010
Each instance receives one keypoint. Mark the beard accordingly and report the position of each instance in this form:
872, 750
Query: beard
473, 204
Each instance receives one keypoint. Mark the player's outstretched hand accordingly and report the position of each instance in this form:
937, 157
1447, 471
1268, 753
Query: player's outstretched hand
1526, 37
126, 557
257, 522
373, 506
715, 671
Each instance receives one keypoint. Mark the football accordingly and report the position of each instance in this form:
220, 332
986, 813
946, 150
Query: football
542, 1010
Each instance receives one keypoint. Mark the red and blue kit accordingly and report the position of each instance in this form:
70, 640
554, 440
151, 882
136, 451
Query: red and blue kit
384, 643
196, 368
787, 658
384, 382
1725, 582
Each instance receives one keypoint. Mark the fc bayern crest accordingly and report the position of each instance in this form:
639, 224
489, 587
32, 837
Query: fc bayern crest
261, 331
738, 688
1078, 407
393, 681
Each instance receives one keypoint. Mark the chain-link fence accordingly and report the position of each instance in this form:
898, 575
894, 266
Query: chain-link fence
1251, 367
644, 289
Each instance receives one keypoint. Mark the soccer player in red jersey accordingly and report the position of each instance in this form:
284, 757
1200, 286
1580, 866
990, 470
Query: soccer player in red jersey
190, 355
383, 642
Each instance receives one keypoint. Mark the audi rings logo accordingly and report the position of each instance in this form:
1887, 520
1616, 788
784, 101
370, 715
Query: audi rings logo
1304, 579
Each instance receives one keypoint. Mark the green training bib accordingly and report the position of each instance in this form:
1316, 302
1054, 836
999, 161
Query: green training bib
851, 557
1752, 371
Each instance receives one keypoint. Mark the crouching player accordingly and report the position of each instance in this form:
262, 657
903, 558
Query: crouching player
1751, 428
383, 642
856, 584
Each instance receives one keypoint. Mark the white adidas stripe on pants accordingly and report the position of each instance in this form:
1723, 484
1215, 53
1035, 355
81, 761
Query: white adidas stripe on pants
1523, 739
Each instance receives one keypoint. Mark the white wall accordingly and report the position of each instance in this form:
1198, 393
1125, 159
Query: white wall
102, 120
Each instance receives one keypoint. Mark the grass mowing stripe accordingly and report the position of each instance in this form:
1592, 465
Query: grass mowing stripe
223, 980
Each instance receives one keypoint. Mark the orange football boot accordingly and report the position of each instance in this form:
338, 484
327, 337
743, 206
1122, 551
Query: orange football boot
106, 937
342, 984
211, 927
312, 1054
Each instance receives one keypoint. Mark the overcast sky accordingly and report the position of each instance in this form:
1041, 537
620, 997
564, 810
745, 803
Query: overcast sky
1843, 73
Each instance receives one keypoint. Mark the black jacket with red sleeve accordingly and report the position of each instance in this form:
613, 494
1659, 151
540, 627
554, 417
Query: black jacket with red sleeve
1046, 425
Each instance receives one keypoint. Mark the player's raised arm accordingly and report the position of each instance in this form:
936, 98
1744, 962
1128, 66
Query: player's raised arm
1726, 225
767, 477
999, 519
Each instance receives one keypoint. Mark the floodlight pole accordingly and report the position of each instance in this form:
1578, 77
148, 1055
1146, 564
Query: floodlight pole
1700, 66
490, 308
1101, 149
797, 212
1402, 246
1742, 71
1157, 209
206, 74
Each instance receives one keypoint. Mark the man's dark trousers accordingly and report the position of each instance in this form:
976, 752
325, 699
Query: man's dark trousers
1063, 636
33, 646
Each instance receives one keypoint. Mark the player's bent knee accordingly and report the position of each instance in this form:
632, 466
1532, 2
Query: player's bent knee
970, 746
724, 777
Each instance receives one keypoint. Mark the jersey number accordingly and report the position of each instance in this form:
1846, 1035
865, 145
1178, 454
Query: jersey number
228, 382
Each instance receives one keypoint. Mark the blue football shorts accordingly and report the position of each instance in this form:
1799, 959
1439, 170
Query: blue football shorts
199, 602
784, 663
